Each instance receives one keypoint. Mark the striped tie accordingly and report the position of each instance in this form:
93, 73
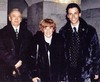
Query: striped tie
16, 33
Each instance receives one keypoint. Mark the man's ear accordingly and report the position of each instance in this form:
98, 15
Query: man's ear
21, 19
67, 16
9, 18
79, 14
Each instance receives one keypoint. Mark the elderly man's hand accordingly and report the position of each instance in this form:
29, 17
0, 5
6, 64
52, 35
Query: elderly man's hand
18, 64
36, 79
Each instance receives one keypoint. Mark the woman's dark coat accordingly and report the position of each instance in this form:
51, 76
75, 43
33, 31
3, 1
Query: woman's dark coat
45, 72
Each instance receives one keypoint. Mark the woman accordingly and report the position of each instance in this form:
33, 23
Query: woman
50, 54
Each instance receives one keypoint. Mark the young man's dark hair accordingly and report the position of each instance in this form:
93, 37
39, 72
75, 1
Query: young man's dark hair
72, 5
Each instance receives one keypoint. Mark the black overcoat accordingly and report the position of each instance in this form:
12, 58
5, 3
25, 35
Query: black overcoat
12, 50
89, 47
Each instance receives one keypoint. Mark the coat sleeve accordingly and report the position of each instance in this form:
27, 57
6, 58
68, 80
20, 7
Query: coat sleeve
95, 54
7, 55
62, 60
33, 64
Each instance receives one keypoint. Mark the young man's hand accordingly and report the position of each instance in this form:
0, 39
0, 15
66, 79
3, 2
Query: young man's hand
96, 77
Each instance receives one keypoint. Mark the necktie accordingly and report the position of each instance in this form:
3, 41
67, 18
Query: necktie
16, 33
74, 48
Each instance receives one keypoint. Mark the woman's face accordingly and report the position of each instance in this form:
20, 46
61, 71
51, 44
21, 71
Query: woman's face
48, 31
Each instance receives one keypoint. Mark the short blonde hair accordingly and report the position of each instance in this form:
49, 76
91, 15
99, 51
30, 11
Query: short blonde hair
47, 22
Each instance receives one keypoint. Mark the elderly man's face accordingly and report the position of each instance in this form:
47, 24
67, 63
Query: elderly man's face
15, 18
48, 31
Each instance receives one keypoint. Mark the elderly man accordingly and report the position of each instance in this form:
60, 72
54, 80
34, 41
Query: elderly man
14, 45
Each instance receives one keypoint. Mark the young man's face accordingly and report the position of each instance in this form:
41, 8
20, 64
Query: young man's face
48, 31
73, 15
15, 18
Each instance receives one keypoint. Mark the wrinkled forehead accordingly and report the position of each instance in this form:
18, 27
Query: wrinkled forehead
15, 12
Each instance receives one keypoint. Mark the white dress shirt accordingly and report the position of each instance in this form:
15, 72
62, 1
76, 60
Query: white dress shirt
48, 40
16, 29
77, 27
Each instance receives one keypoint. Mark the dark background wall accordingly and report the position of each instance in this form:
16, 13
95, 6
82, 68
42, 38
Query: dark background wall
90, 12
21, 4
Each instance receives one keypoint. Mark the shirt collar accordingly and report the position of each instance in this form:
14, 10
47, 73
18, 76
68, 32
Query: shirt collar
16, 28
77, 27
48, 40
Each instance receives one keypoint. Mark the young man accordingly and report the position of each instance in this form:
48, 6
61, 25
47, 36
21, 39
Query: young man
14, 44
50, 54
81, 45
